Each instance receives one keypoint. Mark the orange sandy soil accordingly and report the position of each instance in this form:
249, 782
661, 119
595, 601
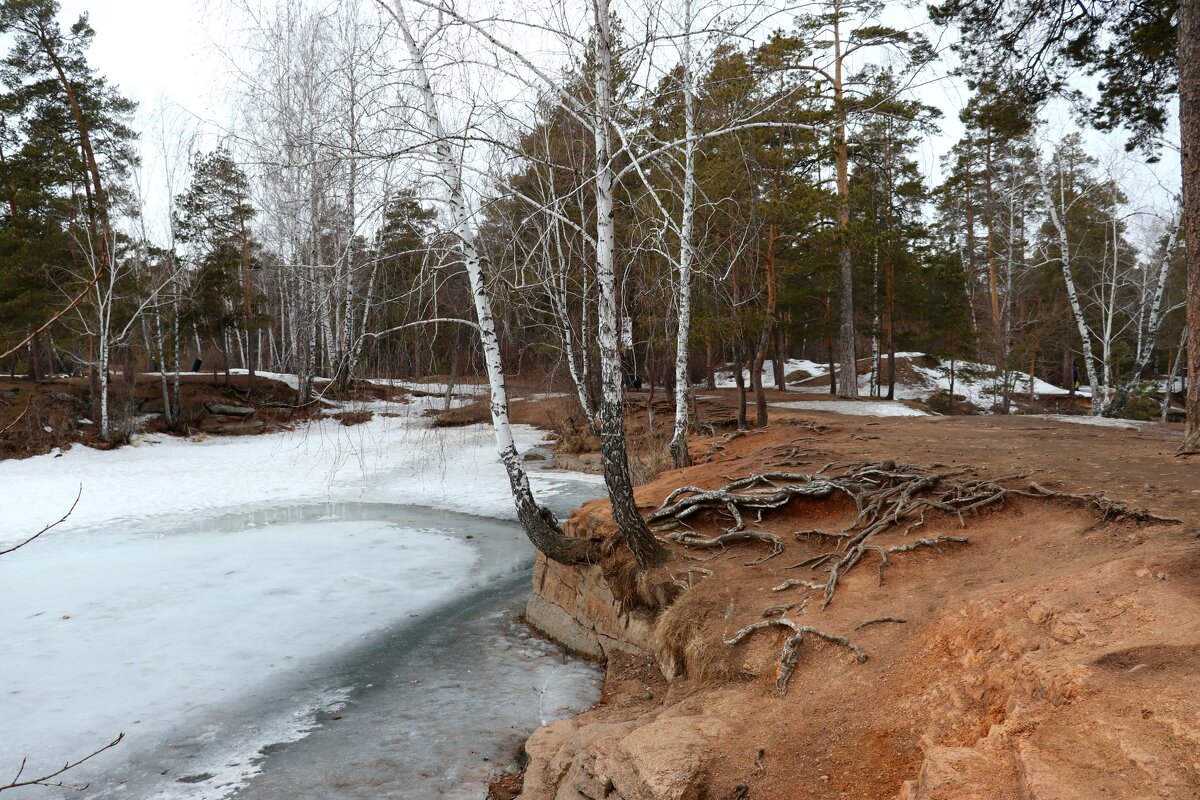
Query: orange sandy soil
1054, 656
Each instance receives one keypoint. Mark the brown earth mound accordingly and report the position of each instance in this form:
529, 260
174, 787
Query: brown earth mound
1053, 655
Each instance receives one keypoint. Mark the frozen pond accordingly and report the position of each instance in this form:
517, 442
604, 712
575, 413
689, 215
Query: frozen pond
323, 650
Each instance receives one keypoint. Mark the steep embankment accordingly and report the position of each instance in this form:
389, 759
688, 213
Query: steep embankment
1052, 656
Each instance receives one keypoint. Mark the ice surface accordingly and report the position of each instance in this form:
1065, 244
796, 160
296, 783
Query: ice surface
214, 598
450, 701
396, 459
139, 632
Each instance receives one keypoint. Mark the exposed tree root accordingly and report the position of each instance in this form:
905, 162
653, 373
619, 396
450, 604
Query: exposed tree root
719, 446
780, 610
889, 497
934, 541
879, 621
797, 582
1108, 508
684, 578
693, 539
791, 645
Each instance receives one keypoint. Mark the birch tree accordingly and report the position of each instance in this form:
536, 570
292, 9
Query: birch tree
539, 522
1057, 203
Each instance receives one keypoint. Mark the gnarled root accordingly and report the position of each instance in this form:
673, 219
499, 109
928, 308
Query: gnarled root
693, 539
879, 621
1108, 508
755, 494
791, 646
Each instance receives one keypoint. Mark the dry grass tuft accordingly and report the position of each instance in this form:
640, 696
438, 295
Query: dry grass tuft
470, 414
689, 634
349, 418
649, 457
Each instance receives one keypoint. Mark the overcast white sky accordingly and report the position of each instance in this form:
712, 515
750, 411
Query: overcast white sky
170, 52
155, 48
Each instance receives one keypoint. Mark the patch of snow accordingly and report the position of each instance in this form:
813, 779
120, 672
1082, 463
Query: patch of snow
394, 459
724, 379
973, 381
862, 408
543, 396
1103, 422
472, 389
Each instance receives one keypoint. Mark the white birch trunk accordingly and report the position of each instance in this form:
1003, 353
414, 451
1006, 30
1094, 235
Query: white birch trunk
637, 536
679, 438
1072, 293
1155, 317
539, 522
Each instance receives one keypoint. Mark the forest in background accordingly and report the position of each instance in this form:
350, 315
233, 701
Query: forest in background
608, 196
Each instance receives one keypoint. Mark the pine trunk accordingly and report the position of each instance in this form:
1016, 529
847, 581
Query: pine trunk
1189, 131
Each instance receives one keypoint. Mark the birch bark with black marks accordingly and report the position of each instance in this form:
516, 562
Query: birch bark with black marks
1064, 247
1148, 339
647, 550
540, 524
683, 381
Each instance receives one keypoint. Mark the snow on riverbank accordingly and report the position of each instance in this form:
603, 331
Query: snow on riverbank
918, 380
393, 459
185, 604
1102, 422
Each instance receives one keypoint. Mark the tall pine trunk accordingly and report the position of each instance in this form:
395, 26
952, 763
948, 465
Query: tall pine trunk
1189, 134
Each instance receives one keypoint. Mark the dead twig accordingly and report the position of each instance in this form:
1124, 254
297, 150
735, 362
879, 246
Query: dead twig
48, 527
51, 780
13, 424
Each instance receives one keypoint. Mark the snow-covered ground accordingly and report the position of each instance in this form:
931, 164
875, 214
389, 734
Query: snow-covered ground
860, 408
1103, 422
208, 598
971, 380
724, 379
390, 459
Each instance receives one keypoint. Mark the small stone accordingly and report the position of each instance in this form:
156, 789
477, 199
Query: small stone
824, 777
1162, 576
1143, 572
